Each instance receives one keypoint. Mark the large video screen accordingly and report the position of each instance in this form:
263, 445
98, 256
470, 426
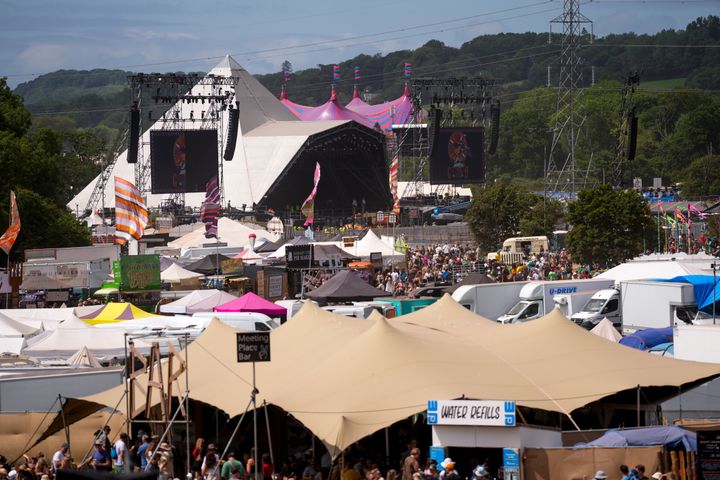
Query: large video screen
458, 156
182, 161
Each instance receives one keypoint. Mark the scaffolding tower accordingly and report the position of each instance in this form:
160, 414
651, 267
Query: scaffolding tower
563, 175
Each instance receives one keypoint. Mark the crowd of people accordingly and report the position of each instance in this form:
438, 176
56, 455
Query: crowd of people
445, 264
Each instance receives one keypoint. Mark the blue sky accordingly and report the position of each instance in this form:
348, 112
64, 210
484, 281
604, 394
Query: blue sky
41, 36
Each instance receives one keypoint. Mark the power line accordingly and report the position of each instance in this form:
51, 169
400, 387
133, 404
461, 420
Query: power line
324, 42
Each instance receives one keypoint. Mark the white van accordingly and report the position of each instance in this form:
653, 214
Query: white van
292, 306
250, 321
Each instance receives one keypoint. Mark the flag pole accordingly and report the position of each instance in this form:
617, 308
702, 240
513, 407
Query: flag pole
7, 259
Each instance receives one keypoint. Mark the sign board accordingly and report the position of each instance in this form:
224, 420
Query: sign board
376, 259
349, 242
253, 347
139, 273
117, 276
413, 213
708, 459
275, 284
380, 217
58, 296
392, 219
511, 463
496, 413
299, 256
637, 183
437, 454
231, 265
56, 276
163, 224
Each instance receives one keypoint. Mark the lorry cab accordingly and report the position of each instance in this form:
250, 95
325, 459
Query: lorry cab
523, 311
604, 303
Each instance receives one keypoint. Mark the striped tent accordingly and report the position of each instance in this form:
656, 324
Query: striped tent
115, 312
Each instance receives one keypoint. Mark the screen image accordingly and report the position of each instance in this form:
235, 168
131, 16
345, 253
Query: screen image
183, 161
458, 156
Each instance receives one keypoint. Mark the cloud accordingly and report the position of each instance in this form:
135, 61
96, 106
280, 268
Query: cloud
137, 34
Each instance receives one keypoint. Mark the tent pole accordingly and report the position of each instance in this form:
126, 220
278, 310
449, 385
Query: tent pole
638, 405
170, 424
237, 427
65, 425
26, 448
187, 405
267, 423
87, 454
387, 446
255, 441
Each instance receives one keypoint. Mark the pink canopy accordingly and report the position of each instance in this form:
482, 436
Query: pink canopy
356, 101
396, 112
295, 108
332, 110
252, 303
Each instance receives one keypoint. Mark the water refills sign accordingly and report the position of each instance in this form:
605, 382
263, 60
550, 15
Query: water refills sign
253, 347
496, 413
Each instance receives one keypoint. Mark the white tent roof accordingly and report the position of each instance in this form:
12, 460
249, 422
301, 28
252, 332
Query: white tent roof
73, 334
269, 137
12, 345
175, 273
40, 317
198, 301
607, 330
231, 232
84, 358
15, 328
660, 266
371, 243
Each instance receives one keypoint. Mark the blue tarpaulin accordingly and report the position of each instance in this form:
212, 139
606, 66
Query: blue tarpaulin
669, 436
704, 287
648, 338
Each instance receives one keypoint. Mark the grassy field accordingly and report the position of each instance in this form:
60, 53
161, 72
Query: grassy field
667, 84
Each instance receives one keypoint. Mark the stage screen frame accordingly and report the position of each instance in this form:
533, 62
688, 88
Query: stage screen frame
165, 158
469, 171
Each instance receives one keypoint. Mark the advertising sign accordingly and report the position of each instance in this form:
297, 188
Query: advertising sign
458, 156
376, 259
56, 276
496, 413
511, 463
253, 347
231, 265
275, 286
139, 273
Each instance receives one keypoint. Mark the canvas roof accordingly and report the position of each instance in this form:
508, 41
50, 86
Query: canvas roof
268, 141
231, 232
12, 345
15, 328
345, 286
84, 358
660, 267
197, 301
371, 243
252, 303
115, 312
605, 329
208, 265
549, 363
175, 273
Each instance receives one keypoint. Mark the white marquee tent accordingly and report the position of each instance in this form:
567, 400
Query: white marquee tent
176, 274
371, 243
197, 301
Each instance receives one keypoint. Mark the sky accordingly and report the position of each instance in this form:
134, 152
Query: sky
42, 36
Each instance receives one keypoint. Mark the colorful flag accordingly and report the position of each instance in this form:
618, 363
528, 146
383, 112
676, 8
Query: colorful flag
679, 215
131, 215
336, 73
357, 73
693, 208
308, 207
8, 238
669, 219
408, 70
393, 179
210, 208
286, 72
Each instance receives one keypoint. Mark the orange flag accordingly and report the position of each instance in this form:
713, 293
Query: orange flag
8, 239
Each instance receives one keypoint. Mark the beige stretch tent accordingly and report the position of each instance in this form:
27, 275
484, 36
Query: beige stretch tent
345, 378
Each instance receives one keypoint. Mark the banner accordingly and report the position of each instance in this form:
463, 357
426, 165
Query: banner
131, 216
393, 174
458, 156
308, 207
408, 70
8, 238
336, 73
210, 209
139, 273
357, 73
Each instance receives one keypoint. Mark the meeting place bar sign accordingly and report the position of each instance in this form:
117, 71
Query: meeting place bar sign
496, 413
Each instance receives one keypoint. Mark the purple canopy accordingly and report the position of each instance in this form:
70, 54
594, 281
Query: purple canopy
356, 101
295, 108
252, 303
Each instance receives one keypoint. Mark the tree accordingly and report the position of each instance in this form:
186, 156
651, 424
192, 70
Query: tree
499, 211
608, 226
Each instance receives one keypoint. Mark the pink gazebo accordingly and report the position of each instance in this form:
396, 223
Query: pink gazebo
252, 303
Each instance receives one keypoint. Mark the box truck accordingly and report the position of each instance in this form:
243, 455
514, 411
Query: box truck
489, 299
571, 303
647, 304
536, 298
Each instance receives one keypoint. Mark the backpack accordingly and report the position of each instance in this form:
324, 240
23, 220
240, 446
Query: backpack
113, 453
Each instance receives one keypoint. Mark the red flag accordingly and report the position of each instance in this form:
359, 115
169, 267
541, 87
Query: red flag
308, 206
8, 238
